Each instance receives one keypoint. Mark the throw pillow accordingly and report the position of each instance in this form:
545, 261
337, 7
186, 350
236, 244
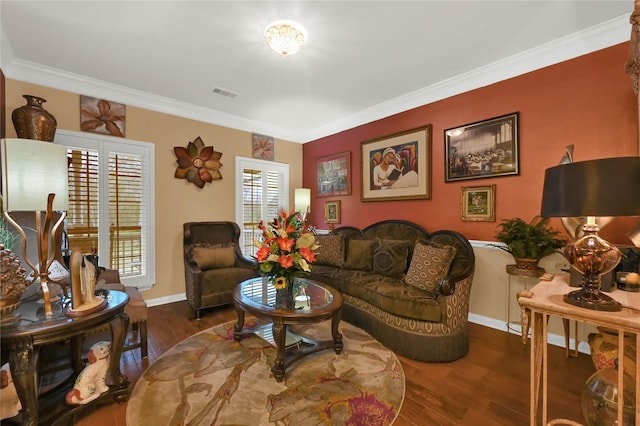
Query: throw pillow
429, 264
360, 255
213, 258
330, 251
390, 257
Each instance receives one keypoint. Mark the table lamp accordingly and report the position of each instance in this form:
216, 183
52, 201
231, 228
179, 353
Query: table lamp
604, 187
34, 178
302, 202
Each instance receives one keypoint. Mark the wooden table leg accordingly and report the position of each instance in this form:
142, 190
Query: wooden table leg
22, 364
536, 364
335, 332
279, 336
119, 327
237, 328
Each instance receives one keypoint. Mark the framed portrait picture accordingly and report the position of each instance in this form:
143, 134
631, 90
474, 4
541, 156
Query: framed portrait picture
397, 167
484, 149
479, 203
333, 175
332, 211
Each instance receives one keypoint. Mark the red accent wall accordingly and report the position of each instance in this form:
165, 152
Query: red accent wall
587, 101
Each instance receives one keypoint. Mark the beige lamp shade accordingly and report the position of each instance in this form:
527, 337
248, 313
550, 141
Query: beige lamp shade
302, 200
31, 170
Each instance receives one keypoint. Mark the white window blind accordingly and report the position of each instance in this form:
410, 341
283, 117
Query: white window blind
264, 186
111, 183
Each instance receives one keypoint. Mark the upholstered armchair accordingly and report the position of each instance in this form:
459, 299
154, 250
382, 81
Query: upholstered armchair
213, 263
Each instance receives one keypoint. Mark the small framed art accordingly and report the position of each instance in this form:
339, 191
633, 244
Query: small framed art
332, 211
488, 148
479, 203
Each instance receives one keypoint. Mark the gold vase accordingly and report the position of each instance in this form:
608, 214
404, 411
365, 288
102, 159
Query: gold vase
32, 121
604, 350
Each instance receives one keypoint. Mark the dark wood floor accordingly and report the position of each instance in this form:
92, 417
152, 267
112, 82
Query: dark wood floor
489, 386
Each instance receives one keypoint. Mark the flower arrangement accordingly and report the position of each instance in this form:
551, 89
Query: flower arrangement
287, 249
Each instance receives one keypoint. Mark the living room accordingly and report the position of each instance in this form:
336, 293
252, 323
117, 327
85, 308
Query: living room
587, 101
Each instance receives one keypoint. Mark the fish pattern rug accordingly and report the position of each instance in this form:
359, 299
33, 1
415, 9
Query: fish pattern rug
210, 379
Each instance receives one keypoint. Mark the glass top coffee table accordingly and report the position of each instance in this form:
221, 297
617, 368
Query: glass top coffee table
257, 297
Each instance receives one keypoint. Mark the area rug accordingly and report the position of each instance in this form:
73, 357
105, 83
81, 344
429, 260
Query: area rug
210, 379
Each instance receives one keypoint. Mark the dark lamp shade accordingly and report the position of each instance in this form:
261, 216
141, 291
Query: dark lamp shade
604, 187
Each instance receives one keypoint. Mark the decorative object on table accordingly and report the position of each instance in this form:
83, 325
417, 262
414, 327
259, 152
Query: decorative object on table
263, 147
604, 350
488, 148
13, 282
42, 168
600, 399
91, 381
83, 286
333, 175
397, 166
478, 203
32, 121
198, 164
588, 188
100, 116
302, 203
230, 382
528, 242
286, 251
332, 212
285, 37
627, 274
10, 404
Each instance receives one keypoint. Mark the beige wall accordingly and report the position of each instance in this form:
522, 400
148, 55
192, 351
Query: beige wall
176, 200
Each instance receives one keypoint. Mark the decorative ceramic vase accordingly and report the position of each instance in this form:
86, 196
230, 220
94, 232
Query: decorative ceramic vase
604, 350
32, 121
284, 297
13, 281
600, 399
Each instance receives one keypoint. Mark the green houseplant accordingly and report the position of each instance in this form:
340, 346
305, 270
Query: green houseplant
528, 241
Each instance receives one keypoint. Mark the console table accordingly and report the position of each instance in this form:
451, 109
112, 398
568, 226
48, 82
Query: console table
23, 342
546, 301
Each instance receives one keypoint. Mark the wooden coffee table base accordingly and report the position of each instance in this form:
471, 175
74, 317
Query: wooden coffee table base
288, 354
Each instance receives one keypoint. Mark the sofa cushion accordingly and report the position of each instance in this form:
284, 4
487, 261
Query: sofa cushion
390, 257
331, 250
360, 255
213, 257
429, 264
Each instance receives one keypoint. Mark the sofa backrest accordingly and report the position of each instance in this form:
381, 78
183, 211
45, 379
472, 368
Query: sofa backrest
463, 264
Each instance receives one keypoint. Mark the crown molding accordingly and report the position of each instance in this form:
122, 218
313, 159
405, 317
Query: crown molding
606, 34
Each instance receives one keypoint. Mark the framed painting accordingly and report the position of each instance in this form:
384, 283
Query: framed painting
262, 147
479, 203
333, 175
488, 148
102, 116
397, 167
332, 211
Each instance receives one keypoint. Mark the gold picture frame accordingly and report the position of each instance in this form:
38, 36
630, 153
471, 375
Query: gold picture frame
478, 203
332, 211
407, 158
333, 175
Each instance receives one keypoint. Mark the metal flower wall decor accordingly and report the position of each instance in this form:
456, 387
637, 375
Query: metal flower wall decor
198, 164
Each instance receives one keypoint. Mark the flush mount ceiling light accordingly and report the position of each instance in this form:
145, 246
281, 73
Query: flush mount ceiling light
285, 37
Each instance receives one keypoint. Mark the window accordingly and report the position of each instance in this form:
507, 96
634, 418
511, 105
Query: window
264, 186
111, 187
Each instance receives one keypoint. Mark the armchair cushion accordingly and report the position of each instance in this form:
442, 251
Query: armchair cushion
429, 264
213, 257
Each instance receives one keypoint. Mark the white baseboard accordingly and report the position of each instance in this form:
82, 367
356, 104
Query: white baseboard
167, 299
553, 339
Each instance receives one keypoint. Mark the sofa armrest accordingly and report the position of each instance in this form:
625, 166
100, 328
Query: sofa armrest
108, 276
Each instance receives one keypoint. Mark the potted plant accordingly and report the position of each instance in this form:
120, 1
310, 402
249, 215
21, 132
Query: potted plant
528, 242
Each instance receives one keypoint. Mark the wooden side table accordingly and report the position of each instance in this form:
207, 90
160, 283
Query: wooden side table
22, 344
547, 300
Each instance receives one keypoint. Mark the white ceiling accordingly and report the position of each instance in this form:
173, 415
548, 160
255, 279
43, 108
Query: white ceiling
364, 60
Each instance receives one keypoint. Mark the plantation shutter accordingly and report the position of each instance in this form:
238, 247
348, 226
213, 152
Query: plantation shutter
111, 187
265, 188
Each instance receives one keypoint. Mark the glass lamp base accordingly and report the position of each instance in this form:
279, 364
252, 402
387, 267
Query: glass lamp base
595, 300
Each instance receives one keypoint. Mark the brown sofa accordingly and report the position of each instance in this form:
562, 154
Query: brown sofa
406, 286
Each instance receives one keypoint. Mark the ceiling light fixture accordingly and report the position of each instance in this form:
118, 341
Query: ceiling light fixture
285, 37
